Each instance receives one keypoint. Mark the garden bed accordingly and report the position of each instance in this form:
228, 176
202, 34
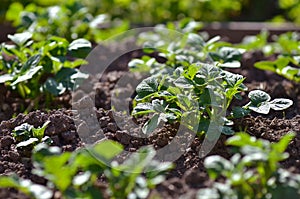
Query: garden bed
189, 174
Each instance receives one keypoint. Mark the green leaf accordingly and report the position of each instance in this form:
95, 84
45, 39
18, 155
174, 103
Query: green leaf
79, 43
28, 75
81, 179
185, 102
265, 65
39, 132
143, 108
47, 140
182, 82
10, 181
159, 105
52, 87
32, 62
233, 64
279, 104
263, 108
282, 62
22, 132
147, 87
258, 96
216, 164
239, 112
6, 78
253, 154
80, 48
26, 186
40, 191
284, 142
20, 38
136, 63
242, 139
226, 130
231, 78
151, 124
13, 12
29, 142
195, 40
107, 149
227, 54
137, 162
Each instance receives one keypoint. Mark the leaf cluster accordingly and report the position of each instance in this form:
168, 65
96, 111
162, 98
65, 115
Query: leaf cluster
28, 136
184, 86
260, 102
286, 49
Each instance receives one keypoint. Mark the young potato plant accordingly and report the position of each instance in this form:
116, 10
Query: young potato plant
286, 66
284, 44
180, 45
35, 68
125, 180
184, 86
198, 89
75, 174
260, 102
253, 171
69, 19
27, 136
286, 49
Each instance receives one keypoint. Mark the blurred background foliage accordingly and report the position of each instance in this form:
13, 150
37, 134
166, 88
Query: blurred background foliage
99, 19
149, 12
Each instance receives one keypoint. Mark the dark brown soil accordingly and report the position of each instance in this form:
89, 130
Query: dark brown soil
189, 173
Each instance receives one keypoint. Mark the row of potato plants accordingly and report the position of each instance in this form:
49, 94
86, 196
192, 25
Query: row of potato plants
252, 172
192, 83
182, 82
76, 174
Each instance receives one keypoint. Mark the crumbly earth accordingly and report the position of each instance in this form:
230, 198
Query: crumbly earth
189, 173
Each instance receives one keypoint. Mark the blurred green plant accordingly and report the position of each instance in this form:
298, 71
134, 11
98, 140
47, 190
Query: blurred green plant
285, 47
291, 9
75, 174
253, 172
156, 11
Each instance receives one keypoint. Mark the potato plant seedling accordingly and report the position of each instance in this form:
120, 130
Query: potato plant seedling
28, 136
